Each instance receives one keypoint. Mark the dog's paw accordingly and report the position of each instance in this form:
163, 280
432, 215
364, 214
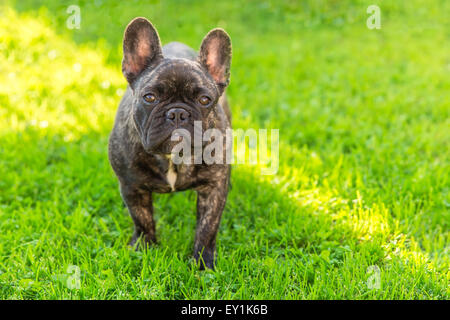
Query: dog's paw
205, 259
142, 241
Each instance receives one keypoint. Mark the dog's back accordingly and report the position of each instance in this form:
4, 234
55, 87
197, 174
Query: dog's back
179, 50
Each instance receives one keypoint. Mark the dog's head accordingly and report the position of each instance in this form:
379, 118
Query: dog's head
172, 93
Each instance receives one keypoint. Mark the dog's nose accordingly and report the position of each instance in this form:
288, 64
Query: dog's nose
178, 116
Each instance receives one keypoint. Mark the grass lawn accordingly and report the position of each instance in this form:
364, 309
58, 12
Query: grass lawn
363, 184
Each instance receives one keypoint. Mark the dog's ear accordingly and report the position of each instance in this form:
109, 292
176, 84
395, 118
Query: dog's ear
141, 48
215, 56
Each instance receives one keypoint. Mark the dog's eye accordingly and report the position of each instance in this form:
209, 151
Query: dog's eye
204, 100
149, 98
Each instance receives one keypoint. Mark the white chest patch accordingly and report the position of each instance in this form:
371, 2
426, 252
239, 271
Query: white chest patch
171, 175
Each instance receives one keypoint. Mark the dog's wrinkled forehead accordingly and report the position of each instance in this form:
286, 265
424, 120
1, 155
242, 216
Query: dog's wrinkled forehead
178, 75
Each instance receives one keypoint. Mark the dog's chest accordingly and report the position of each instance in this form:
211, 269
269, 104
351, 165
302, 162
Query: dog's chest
173, 177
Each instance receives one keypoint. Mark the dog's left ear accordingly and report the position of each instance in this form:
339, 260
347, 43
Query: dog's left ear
215, 56
141, 48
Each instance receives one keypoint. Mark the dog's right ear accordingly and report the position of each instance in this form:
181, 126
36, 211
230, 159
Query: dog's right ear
141, 48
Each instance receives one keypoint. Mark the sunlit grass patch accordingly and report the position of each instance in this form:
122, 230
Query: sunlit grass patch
50, 83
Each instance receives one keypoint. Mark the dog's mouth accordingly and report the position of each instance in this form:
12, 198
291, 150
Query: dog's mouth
166, 147
164, 140
161, 132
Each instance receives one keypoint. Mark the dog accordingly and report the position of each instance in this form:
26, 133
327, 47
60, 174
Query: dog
170, 88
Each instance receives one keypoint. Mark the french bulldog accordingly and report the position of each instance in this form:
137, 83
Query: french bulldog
170, 88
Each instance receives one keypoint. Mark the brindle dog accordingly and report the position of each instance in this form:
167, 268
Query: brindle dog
169, 88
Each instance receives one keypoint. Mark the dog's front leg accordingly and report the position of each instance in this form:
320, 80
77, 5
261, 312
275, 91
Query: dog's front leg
210, 204
140, 205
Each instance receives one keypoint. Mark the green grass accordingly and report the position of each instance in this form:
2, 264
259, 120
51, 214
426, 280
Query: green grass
364, 154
